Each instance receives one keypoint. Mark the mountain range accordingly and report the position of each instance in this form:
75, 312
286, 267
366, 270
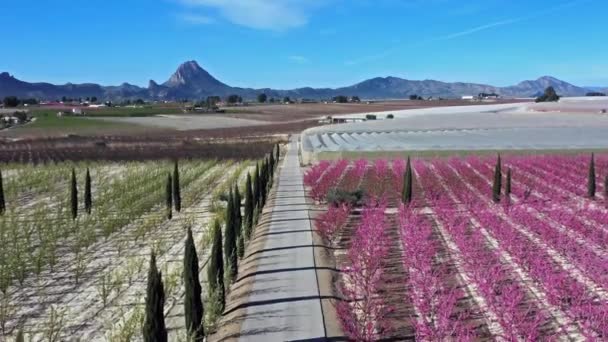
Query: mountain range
190, 81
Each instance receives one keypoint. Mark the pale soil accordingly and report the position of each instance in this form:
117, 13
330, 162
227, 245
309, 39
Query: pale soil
81, 304
561, 319
282, 112
557, 318
572, 327
186, 122
483, 127
557, 257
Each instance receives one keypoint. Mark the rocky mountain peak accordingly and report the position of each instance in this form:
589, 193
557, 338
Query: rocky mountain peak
190, 75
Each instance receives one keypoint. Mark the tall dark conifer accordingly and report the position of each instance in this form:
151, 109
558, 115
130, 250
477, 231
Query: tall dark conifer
407, 183
256, 190
497, 186
263, 182
215, 271
271, 162
591, 179
88, 200
238, 223
20, 337
169, 197
74, 195
230, 251
177, 196
193, 304
249, 208
154, 329
2, 202
606, 187
508, 183
277, 154
271, 168
238, 216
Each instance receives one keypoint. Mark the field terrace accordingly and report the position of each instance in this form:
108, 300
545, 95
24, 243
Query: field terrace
455, 265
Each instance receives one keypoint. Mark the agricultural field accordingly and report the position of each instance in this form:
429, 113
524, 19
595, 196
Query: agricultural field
469, 248
79, 272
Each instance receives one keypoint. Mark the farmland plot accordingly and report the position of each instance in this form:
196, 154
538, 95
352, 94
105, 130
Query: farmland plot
455, 263
85, 277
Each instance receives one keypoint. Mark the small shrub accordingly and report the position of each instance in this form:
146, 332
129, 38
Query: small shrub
336, 197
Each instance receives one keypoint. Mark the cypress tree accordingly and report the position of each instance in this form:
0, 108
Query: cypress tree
591, 180
249, 208
238, 217
2, 202
508, 183
271, 168
606, 186
407, 183
497, 186
193, 305
20, 337
88, 202
256, 189
271, 158
238, 223
169, 197
154, 329
230, 251
262, 184
74, 195
271, 162
277, 157
177, 196
215, 271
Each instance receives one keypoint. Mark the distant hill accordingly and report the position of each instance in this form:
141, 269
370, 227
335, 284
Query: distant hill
190, 81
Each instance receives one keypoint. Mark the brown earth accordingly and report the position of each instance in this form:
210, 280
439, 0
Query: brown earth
282, 112
142, 142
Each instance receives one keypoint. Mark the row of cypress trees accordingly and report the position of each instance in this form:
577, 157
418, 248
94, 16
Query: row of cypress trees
154, 329
88, 197
224, 254
497, 184
228, 249
239, 224
2, 202
591, 185
408, 179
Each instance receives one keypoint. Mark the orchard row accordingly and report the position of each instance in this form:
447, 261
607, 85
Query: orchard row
512, 248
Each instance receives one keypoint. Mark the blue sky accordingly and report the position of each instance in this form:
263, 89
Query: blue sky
292, 43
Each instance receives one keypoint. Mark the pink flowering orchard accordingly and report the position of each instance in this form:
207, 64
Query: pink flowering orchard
531, 266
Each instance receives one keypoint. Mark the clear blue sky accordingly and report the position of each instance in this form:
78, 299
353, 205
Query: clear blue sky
292, 43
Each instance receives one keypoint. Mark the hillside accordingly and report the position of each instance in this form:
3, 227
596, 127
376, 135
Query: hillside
191, 81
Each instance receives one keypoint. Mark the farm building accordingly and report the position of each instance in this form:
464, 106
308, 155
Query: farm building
73, 112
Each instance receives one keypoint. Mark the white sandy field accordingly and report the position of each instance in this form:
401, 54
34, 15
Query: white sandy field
572, 123
186, 122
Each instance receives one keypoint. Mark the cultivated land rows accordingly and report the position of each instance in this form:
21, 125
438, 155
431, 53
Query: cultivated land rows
117, 265
546, 242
